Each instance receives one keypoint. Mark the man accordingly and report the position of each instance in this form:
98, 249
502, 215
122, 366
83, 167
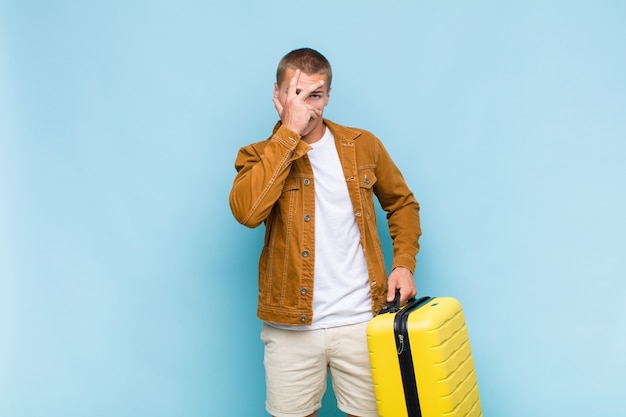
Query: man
322, 276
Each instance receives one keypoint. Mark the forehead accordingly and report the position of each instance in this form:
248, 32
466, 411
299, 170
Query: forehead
304, 79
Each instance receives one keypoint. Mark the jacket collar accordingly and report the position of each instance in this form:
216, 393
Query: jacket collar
339, 131
342, 132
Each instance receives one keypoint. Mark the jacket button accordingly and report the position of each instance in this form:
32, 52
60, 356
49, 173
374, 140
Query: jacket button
303, 318
305, 253
307, 218
307, 181
367, 180
303, 291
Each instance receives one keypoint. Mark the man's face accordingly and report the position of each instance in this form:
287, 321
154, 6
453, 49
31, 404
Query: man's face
318, 98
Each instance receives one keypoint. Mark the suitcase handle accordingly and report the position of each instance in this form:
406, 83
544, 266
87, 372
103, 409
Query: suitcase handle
393, 306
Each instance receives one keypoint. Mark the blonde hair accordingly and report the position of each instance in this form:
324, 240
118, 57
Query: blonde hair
307, 60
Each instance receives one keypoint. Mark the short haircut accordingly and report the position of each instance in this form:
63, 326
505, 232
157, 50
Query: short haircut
307, 60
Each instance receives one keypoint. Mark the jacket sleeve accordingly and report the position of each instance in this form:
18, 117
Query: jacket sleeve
402, 210
261, 172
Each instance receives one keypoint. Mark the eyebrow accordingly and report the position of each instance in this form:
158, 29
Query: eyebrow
318, 91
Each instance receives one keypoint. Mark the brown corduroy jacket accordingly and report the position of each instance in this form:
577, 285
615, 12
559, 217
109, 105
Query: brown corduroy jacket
275, 185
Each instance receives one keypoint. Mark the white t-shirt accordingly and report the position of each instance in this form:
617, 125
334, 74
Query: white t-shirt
341, 293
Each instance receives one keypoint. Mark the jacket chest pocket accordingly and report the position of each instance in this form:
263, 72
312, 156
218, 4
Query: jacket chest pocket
367, 179
291, 184
288, 200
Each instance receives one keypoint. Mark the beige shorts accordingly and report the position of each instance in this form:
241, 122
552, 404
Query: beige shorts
297, 363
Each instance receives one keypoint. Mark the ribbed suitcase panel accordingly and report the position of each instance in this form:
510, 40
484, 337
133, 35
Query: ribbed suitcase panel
442, 356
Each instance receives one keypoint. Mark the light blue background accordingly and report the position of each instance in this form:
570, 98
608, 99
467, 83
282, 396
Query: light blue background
127, 288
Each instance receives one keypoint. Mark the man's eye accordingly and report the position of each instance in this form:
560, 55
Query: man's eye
316, 96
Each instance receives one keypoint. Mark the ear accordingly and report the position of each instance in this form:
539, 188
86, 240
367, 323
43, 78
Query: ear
275, 90
328, 95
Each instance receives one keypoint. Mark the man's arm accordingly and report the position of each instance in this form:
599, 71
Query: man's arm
404, 224
262, 170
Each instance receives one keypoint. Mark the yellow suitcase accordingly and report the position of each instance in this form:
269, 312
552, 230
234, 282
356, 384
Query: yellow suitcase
421, 360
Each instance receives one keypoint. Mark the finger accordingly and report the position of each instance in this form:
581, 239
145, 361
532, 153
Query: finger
304, 94
293, 84
314, 113
407, 293
278, 105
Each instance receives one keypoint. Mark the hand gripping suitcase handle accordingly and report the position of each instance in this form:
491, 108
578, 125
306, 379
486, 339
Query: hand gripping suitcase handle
394, 306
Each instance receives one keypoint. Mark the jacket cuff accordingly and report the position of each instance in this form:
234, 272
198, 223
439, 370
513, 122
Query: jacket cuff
286, 137
290, 140
406, 261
